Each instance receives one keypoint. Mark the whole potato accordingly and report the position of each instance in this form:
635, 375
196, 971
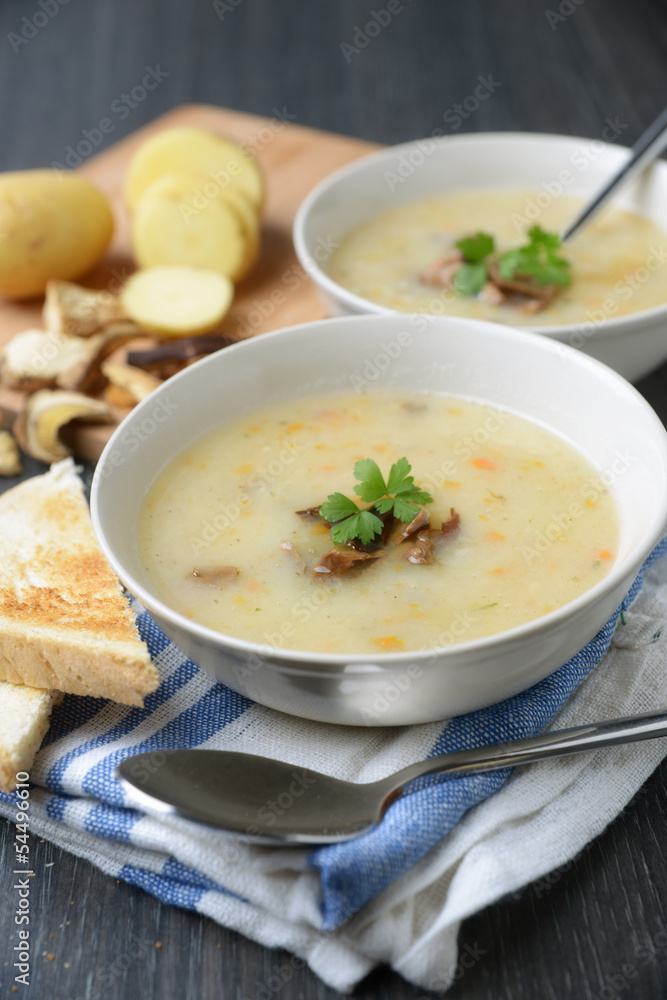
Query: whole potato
51, 226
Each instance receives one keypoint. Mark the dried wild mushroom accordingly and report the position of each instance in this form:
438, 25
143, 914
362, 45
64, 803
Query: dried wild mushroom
441, 272
538, 295
419, 550
37, 359
135, 381
493, 295
10, 457
215, 576
115, 396
74, 311
45, 412
309, 511
87, 375
338, 561
179, 351
419, 523
452, 524
295, 555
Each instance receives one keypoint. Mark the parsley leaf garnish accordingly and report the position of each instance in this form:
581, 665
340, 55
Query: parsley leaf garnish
539, 258
470, 278
338, 507
475, 248
370, 480
398, 494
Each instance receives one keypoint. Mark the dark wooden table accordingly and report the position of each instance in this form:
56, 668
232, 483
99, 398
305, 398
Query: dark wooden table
597, 928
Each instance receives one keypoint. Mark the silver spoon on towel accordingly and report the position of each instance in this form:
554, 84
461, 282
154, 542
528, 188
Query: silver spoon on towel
649, 146
270, 802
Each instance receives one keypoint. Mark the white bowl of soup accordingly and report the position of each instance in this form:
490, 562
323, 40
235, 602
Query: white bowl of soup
546, 476
371, 236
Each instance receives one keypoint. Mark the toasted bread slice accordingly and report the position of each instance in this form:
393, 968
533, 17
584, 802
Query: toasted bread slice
24, 719
64, 621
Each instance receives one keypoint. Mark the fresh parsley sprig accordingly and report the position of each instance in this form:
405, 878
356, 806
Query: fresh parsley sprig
397, 495
473, 274
539, 258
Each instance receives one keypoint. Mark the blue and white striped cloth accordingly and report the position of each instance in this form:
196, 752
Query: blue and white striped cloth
306, 900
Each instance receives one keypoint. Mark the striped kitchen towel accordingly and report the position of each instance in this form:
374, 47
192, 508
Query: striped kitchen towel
398, 894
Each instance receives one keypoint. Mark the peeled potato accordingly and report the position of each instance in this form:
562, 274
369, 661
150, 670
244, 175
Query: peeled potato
250, 220
166, 231
196, 194
222, 163
177, 301
52, 226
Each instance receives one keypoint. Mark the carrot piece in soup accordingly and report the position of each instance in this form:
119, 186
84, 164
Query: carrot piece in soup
388, 642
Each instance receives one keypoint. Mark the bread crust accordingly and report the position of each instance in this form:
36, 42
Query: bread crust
64, 621
24, 719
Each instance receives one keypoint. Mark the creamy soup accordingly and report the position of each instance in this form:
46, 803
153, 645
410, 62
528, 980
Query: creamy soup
221, 542
617, 263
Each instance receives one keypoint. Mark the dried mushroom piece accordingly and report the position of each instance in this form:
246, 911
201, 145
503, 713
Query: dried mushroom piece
38, 426
419, 523
135, 381
452, 524
87, 375
441, 272
73, 311
492, 294
295, 556
310, 511
10, 456
115, 396
338, 561
524, 285
215, 576
179, 352
419, 550
37, 359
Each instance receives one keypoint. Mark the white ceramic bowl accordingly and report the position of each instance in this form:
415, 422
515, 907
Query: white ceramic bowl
632, 345
566, 391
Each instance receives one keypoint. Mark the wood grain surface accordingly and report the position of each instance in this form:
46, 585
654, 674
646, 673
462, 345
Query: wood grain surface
277, 293
594, 930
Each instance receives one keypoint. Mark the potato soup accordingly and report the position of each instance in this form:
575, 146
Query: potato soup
221, 542
617, 263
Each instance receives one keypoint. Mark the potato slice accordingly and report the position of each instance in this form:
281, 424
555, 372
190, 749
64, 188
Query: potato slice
223, 163
196, 193
46, 411
213, 238
177, 301
250, 220
74, 311
36, 359
10, 457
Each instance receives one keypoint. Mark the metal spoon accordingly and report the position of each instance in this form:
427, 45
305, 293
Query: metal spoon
645, 150
268, 801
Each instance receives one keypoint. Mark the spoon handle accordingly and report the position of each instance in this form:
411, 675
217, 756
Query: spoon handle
646, 149
557, 744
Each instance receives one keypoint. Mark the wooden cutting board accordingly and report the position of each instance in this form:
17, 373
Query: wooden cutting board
277, 293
